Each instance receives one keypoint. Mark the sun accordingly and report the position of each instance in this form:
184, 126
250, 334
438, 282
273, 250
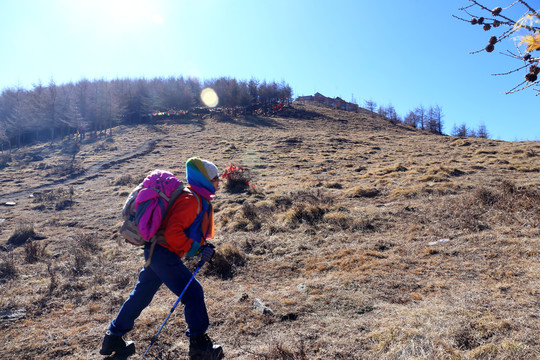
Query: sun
129, 12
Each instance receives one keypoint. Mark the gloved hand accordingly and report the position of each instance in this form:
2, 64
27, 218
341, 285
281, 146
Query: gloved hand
207, 252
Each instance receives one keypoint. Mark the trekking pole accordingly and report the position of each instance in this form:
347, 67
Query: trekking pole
199, 265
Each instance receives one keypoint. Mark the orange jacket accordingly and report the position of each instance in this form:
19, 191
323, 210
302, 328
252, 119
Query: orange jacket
179, 218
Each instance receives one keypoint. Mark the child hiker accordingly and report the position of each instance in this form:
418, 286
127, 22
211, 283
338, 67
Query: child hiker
184, 231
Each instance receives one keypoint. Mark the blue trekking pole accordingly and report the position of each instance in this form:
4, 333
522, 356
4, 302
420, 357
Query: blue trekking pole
199, 265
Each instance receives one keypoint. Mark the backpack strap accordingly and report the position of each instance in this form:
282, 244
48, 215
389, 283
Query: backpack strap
158, 237
188, 190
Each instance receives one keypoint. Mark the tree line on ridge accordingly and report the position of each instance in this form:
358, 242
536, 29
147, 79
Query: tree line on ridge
46, 113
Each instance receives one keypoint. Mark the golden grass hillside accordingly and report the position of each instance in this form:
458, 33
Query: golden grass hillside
366, 240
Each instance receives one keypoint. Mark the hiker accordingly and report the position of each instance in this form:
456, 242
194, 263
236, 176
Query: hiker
181, 228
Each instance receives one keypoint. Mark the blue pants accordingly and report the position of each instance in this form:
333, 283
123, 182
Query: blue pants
165, 267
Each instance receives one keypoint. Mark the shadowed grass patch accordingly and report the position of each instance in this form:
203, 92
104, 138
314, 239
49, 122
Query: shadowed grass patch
21, 235
59, 199
226, 262
363, 192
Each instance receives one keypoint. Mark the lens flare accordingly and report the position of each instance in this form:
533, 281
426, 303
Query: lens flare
209, 97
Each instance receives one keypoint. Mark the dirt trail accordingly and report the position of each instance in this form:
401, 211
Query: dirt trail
94, 171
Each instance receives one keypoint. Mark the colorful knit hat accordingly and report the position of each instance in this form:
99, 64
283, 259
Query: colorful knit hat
199, 174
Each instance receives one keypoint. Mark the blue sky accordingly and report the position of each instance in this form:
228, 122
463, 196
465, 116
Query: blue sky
400, 53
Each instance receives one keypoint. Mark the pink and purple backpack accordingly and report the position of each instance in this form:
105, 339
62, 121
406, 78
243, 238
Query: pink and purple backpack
147, 206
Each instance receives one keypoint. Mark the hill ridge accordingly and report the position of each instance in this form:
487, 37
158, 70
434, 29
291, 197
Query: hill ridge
367, 240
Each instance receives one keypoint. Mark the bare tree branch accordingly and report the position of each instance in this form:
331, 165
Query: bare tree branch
523, 28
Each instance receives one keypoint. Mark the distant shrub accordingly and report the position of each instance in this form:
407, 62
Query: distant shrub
53, 284
34, 251
531, 153
21, 235
466, 212
87, 242
283, 201
70, 148
80, 259
63, 204
8, 270
301, 207
237, 179
486, 197
5, 159
85, 245
476, 210
249, 211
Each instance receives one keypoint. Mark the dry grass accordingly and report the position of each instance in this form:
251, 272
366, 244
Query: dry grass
365, 239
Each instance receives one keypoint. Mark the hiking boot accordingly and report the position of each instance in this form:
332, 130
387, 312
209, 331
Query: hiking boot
116, 344
201, 348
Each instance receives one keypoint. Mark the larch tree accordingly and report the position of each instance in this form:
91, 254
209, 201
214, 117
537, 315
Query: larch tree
518, 24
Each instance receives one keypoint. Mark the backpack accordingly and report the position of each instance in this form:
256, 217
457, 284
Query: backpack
147, 206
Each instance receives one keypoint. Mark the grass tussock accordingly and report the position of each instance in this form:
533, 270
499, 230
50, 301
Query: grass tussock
126, 180
34, 251
69, 169
440, 174
87, 242
22, 234
280, 213
58, 199
237, 179
5, 159
309, 214
282, 352
8, 268
363, 192
226, 263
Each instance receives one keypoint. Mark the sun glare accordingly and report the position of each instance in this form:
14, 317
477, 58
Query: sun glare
158, 19
129, 12
209, 97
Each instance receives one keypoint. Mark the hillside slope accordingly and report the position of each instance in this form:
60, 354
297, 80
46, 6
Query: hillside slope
367, 240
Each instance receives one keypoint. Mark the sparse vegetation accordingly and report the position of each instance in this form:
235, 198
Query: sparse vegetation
8, 269
237, 179
87, 242
374, 242
59, 199
125, 180
280, 352
34, 251
70, 169
5, 159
